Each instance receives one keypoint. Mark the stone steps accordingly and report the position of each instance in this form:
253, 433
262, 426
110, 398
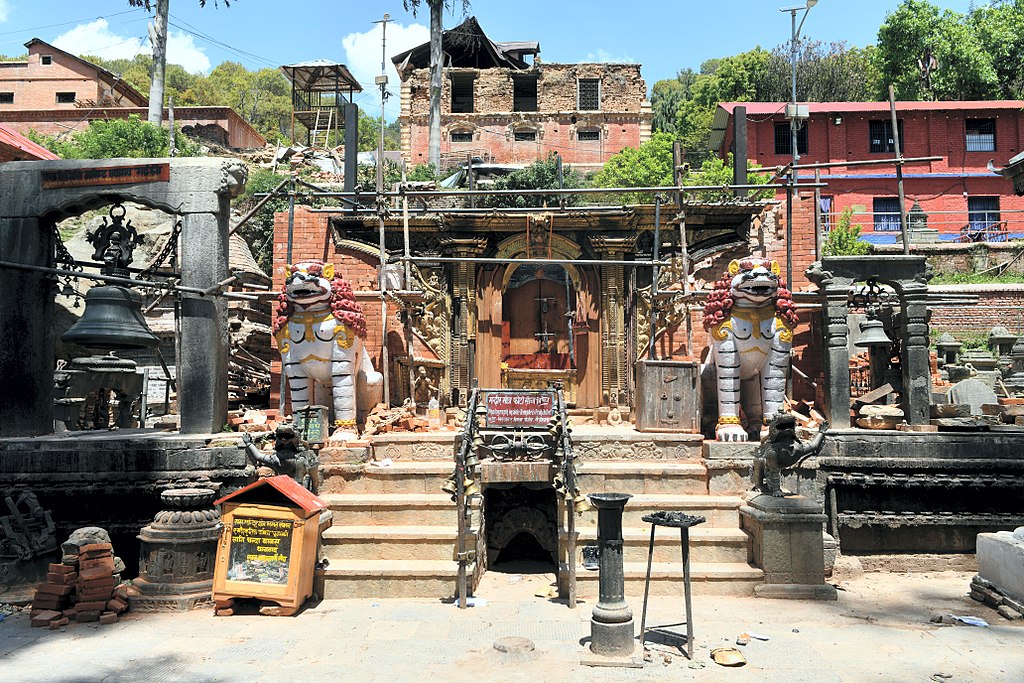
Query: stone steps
418, 542
391, 579
714, 578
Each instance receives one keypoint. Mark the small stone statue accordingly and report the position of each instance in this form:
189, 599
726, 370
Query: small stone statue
291, 456
782, 450
423, 388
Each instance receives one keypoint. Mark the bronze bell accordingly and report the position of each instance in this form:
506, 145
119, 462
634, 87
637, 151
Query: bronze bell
874, 335
112, 320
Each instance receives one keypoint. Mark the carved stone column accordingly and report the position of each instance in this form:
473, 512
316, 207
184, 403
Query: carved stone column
835, 292
917, 381
614, 358
463, 339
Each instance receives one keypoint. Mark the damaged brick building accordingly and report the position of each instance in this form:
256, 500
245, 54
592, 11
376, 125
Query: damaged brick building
501, 104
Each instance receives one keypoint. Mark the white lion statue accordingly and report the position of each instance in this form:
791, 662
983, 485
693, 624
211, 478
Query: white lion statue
750, 318
320, 329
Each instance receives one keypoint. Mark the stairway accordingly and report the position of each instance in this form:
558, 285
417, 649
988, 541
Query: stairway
394, 532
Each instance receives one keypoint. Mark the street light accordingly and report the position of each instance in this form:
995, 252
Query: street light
792, 114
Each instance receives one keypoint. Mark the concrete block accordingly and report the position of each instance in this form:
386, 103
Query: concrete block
1001, 561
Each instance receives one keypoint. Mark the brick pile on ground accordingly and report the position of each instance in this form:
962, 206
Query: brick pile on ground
382, 420
254, 421
84, 587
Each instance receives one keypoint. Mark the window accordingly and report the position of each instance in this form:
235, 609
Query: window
886, 211
462, 93
6, 98
784, 139
461, 136
981, 135
982, 212
880, 136
825, 208
65, 98
589, 94
524, 93
588, 135
46, 60
525, 136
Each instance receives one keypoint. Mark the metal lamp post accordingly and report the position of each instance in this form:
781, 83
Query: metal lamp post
792, 115
611, 623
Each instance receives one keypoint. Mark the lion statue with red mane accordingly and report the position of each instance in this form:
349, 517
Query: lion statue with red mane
750, 318
320, 329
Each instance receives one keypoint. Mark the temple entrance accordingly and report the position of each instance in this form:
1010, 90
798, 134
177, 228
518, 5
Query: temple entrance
522, 528
539, 333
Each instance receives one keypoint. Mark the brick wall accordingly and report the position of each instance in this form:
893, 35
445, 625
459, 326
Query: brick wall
35, 85
997, 305
966, 258
623, 121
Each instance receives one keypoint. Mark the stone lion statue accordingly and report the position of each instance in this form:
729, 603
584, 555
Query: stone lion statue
750, 318
320, 329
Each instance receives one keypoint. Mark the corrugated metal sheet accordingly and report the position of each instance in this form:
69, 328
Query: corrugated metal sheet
20, 146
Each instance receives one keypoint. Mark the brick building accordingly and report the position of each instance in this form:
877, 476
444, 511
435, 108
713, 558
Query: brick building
961, 197
502, 104
53, 91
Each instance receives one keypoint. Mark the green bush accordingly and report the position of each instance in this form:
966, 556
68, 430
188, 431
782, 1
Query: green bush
540, 175
116, 138
844, 239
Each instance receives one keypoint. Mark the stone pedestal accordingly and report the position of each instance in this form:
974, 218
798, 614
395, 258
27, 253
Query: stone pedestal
176, 560
787, 543
1001, 561
611, 624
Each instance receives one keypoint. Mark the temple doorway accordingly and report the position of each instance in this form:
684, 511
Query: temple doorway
539, 331
522, 528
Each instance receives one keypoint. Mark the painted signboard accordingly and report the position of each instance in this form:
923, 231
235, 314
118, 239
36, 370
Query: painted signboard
260, 550
532, 410
105, 175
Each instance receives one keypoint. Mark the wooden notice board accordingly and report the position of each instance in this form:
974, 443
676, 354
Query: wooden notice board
268, 544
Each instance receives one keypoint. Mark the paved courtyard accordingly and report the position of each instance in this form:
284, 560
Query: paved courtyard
880, 629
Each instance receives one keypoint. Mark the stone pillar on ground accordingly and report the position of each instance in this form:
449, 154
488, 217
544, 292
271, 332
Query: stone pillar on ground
611, 624
787, 544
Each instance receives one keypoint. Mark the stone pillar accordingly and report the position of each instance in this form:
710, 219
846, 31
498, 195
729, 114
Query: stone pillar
26, 326
463, 339
837, 354
917, 378
611, 623
788, 544
176, 558
614, 363
203, 347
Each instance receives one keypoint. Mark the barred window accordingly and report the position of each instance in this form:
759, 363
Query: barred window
886, 213
589, 94
880, 136
784, 139
461, 136
982, 212
525, 136
981, 135
588, 135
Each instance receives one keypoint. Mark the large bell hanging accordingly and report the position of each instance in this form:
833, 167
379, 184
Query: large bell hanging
112, 320
873, 335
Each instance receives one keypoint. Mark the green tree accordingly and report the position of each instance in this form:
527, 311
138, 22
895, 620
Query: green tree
540, 175
918, 30
716, 171
117, 138
666, 98
844, 239
999, 27
649, 165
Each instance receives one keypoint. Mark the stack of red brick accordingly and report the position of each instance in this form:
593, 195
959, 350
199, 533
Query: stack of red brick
254, 420
82, 591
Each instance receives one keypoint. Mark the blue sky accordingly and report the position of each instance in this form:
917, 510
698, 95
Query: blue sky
663, 35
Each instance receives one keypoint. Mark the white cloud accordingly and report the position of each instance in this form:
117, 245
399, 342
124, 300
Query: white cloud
606, 57
363, 51
5, 10
96, 38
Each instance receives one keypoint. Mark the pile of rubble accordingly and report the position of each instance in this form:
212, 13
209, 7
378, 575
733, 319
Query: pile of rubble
85, 586
254, 421
382, 420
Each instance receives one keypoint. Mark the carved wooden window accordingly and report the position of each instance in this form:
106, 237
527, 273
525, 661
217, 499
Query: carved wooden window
589, 94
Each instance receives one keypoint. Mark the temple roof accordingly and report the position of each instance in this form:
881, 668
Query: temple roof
467, 46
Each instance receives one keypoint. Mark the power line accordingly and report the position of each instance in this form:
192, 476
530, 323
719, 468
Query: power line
68, 23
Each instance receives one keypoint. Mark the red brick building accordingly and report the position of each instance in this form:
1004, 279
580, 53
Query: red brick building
502, 104
961, 197
54, 91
